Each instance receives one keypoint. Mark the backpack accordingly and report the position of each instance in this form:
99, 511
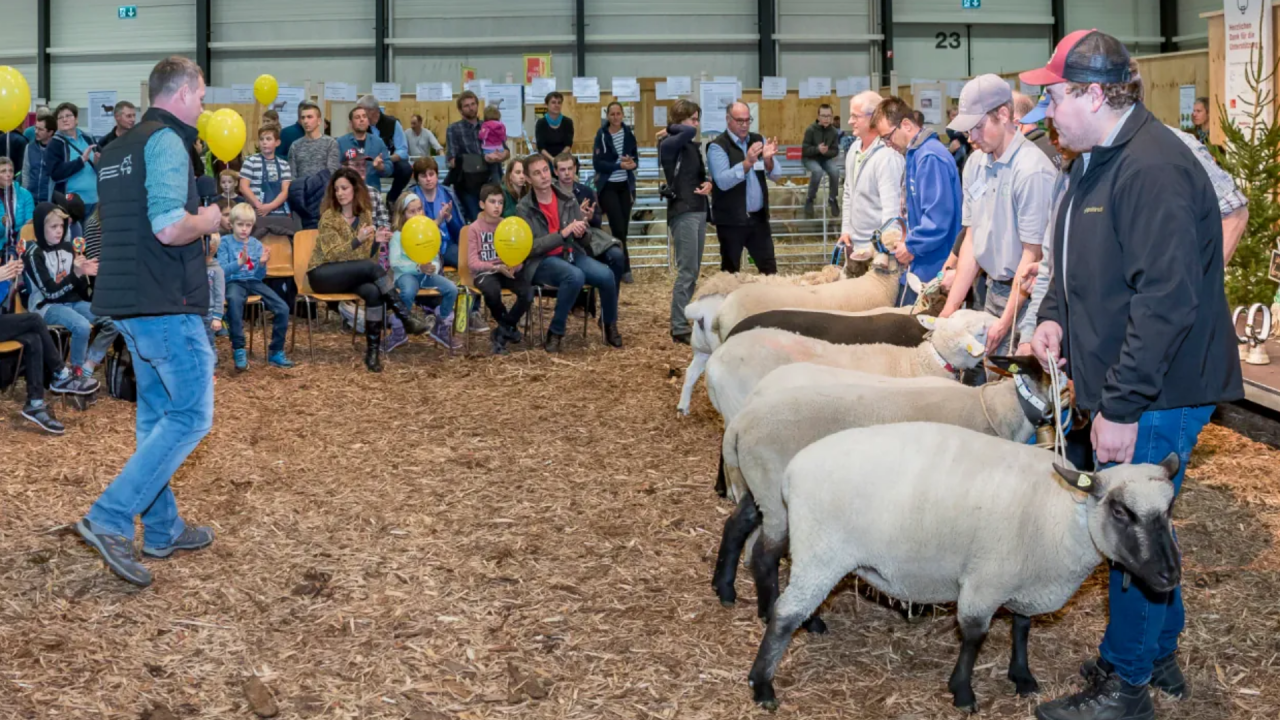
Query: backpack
121, 383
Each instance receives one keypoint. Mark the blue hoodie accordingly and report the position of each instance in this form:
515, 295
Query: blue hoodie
372, 146
933, 204
229, 258
449, 231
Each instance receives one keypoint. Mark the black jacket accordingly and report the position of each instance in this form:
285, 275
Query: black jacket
50, 269
816, 135
1140, 293
678, 147
729, 207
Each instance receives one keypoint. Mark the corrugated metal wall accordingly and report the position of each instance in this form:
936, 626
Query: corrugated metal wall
1136, 22
803, 24
1190, 22
937, 40
672, 37
307, 33
18, 45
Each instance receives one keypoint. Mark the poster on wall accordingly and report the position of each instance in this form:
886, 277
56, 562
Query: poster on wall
1186, 105
1248, 26
468, 75
586, 89
435, 92
773, 88
509, 98
929, 102
339, 92
715, 99
539, 89
625, 89
102, 106
536, 66
286, 104
386, 92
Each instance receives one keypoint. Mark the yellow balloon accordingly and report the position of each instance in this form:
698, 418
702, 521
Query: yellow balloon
513, 239
225, 134
265, 89
202, 123
15, 98
420, 238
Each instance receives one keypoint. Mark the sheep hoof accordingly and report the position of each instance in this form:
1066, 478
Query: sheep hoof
1026, 686
762, 693
815, 626
728, 596
966, 701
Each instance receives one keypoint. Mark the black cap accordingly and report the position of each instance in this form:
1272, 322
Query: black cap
1097, 58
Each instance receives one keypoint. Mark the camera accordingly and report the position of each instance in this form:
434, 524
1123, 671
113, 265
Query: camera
666, 192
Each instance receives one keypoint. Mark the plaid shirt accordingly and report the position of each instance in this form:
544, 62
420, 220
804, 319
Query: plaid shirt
463, 138
1230, 198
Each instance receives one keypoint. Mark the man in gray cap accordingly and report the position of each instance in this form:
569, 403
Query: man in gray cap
1137, 313
1008, 186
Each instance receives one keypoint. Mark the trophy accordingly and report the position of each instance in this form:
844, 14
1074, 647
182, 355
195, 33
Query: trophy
1254, 337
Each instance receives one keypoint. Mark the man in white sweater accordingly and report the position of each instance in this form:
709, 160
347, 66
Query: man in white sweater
873, 173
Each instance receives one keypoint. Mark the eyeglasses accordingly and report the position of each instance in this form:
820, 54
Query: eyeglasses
746, 119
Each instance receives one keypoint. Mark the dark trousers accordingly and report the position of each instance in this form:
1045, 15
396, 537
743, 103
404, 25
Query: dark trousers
470, 203
362, 277
491, 286
616, 201
39, 353
400, 174
756, 237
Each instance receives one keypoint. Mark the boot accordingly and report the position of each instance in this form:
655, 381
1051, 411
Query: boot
373, 345
414, 324
552, 343
808, 209
612, 336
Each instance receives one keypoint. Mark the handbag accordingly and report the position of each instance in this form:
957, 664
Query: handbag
475, 172
599, 241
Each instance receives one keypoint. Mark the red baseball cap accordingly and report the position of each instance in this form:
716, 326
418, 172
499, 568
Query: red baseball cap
1083, 56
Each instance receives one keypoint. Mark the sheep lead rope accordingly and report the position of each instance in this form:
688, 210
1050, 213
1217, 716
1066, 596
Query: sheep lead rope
1059, 438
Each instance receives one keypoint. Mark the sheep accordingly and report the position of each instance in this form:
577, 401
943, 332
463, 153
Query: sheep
964, 517
840, 328
708, 298
780, 419
956, 344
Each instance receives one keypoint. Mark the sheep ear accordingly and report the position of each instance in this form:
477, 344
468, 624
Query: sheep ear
1171, 464
913, 282
1084, 482
930, 322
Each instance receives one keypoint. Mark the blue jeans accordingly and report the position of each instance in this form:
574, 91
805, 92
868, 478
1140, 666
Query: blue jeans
616, 259
238, 291
817, 168
408, 284
568, 279
79, 320
1145, 625
173, 364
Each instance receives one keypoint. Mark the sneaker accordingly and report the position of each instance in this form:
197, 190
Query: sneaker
72, 385
242, 359
626, 277
1108, 697
116, 551
397, 338
278, 359
552, 342
476, 324
1166, 676
43, 417
193, 538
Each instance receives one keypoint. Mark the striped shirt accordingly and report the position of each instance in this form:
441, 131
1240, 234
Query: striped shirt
618, 175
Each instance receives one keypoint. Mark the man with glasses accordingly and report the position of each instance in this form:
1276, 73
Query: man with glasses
1008, 187
872, 181
740, 162
931, 190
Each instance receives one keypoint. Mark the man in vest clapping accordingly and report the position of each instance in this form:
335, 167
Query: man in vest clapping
740, 162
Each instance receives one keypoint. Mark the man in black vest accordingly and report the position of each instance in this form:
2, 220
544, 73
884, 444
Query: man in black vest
392, 134
152, 283
740, 162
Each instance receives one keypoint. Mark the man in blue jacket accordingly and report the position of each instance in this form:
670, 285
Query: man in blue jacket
931, 193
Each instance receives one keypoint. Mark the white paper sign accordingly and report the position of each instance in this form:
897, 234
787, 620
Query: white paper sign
479, 87
386, 92
715, 99
929, 102
286, 104
844, 87
586, 89
955, 87
102, 106
217, 95
1248, 29
861, 83
435, 91
816, 87
660, 91
1186, 106
242, 94
508, 98
773, 88
659, 116
625, 89
679, 86
338, 92
539, 89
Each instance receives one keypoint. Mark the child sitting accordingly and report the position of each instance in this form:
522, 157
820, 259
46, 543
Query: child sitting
410, 277
57, 273
244, 263
491, 275
493, 139
264, 179
217, 296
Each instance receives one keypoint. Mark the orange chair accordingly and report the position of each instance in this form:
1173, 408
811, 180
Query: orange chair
304, 243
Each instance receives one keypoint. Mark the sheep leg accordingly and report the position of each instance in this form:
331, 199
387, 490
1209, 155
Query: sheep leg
973, 631
745, 518
1019, 671
764, 570
808, 588
722, 488
691, 375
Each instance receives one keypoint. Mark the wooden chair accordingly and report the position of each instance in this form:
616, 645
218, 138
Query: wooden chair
304, 243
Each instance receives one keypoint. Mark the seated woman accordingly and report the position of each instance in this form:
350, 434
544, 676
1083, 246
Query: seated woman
514, 186
39, 354
58, 275
411, 277
439, 204
343, 260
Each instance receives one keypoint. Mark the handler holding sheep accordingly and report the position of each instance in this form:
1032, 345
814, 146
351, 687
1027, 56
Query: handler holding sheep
1138, 310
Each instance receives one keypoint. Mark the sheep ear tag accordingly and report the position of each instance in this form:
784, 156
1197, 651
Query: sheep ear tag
976, 350
1081, 481
930, 322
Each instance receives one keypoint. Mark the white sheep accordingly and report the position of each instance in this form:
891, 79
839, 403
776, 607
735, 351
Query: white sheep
957, 516
782, 417
956, 344
708, 298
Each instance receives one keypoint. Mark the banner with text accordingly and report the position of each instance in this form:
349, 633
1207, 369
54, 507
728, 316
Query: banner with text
1248, 28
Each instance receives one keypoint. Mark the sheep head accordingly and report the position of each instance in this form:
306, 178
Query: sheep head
1031, 378
1130, 509
930, 298
960, 339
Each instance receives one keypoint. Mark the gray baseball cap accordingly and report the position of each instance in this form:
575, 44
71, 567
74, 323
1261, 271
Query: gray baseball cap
980, 96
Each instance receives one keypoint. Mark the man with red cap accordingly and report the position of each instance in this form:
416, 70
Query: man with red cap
1137, 313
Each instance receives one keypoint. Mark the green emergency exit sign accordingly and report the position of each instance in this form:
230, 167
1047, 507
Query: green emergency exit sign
129, 12
971, 4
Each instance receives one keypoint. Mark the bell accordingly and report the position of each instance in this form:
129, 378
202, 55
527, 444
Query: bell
1045, 436
1258, 355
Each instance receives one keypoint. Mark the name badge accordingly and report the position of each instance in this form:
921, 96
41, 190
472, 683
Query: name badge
759, 166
